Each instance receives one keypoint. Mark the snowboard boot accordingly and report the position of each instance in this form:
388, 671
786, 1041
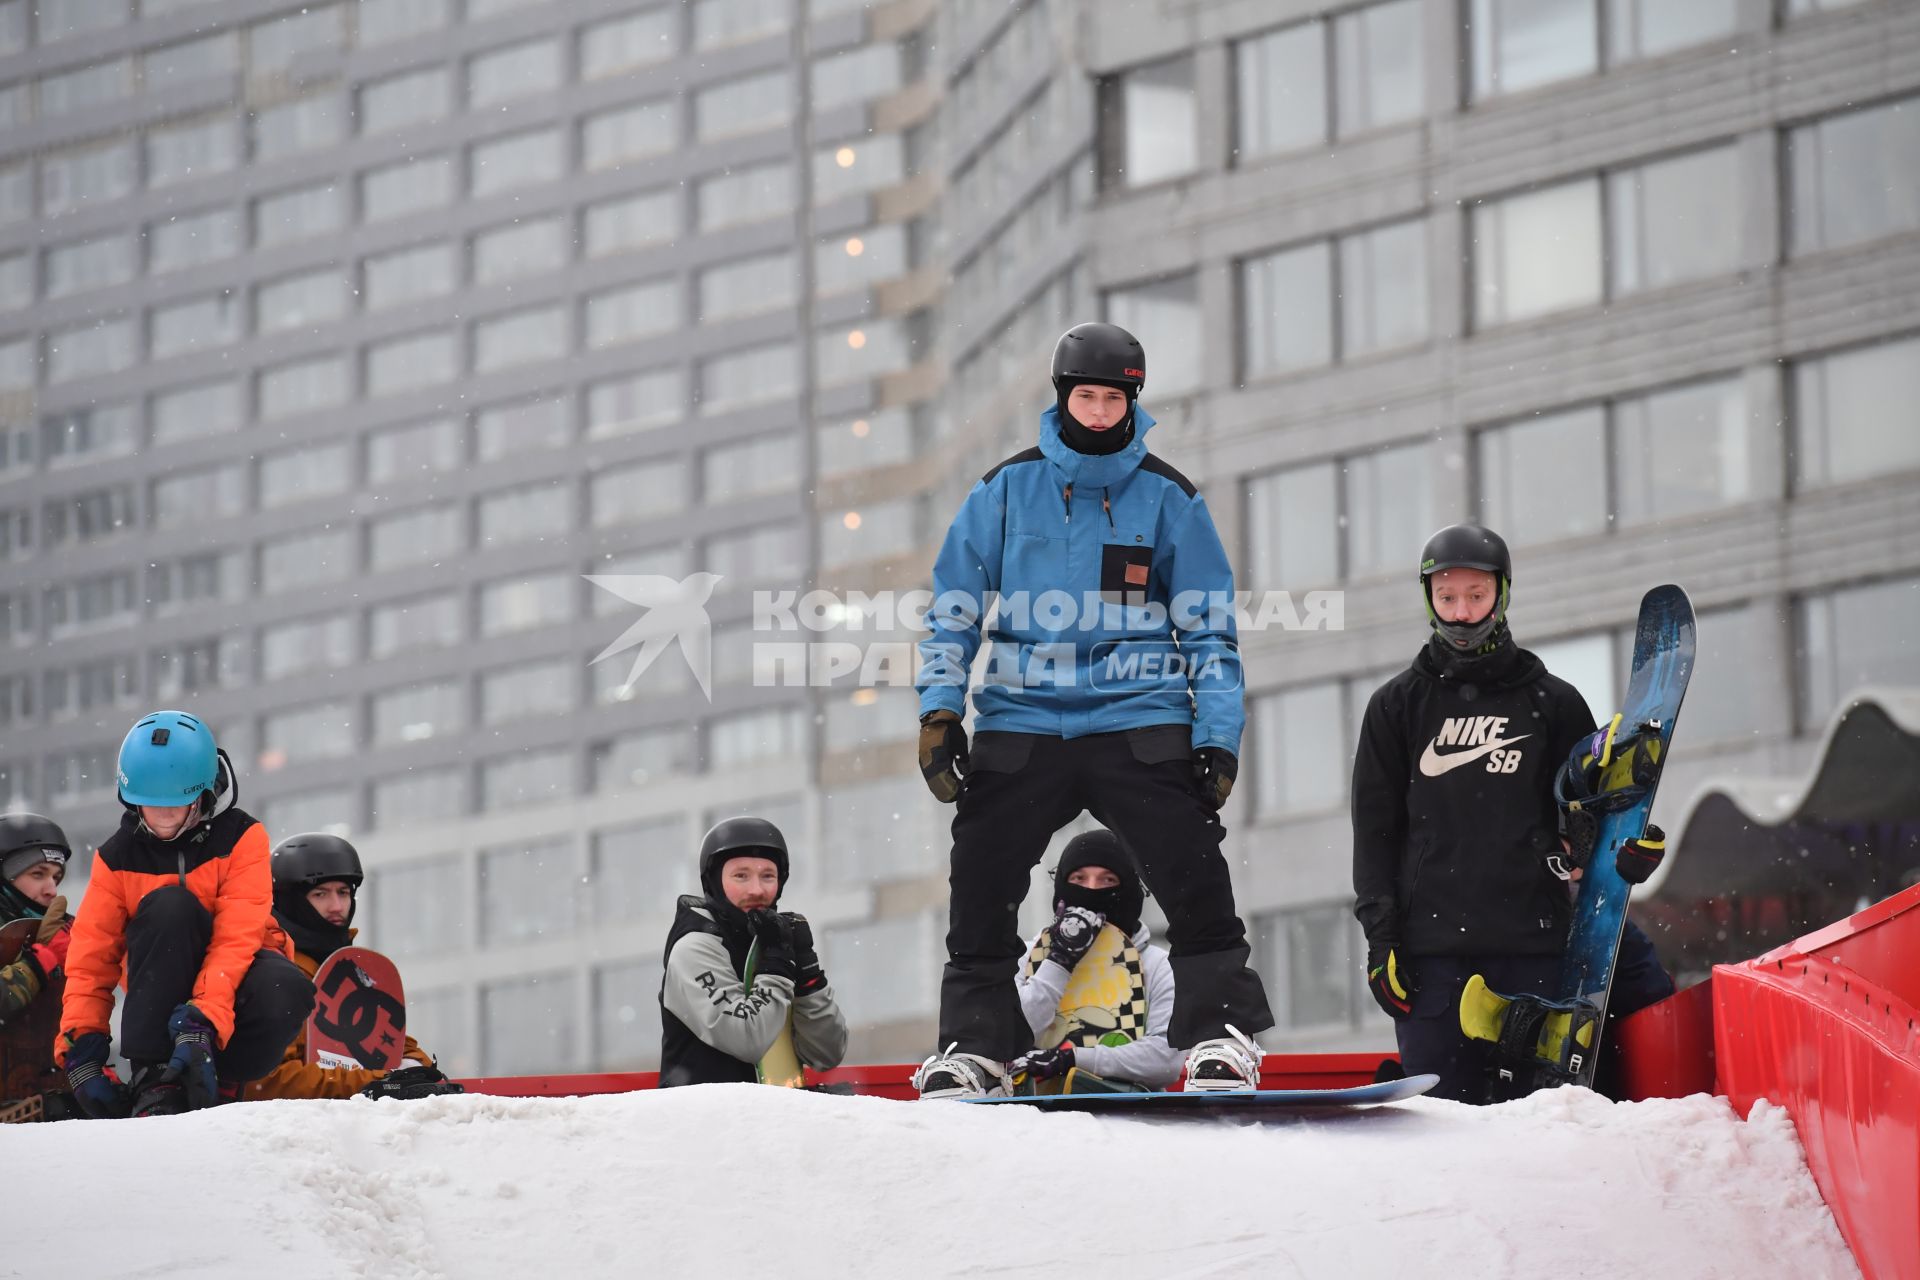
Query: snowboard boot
154, 1094
961, 1075
1228, 1064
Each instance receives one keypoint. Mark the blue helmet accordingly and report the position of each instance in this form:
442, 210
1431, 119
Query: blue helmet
169, 758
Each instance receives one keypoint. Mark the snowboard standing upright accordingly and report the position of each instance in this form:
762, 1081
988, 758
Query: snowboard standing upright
359, 1012
1555, 1039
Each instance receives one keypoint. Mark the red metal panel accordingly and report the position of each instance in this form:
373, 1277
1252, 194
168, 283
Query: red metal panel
1666, 1049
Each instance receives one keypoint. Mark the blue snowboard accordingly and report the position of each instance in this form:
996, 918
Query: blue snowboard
1365, 1095
1663, 652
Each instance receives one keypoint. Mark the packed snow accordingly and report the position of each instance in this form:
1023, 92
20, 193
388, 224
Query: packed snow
750, 1181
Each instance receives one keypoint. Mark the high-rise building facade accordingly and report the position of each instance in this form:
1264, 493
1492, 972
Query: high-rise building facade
340, 344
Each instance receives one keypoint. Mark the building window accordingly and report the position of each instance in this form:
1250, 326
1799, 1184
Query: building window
723, 22
623, 44
642, 757
290, 128
87, 517
186, 498
190, 61
521, 160
755, 736
273, 46
99, 263
1281, 86
1675, 220
196, 150
1517, 44
858, 167
304, 301
1149, 124
534, 247
298, 215
1648, 28
635, 870
419, 712
194, 667
303, 474
304, 386
746, 105
1684, 450
523, 604
527, 892
625, 134
307, 560
207, 408
748, 286
174, 585
529, 778
1301, 749
410, 452
1165, 316
90, 350
435, 892
193, 241
871, 71
409, 186
1314, 960
415, 97
1379, 68
752, 376
632, 312
1312, 525
768, 553
522, 337
766, 465
526, 514
61, 19
632, 222
1855, 636
1853, 414
425, 536
426, 622
418, 796
1733, 663
409, 275
1382, 292
1587, 663
626, 1006
307, 644
528, 426
199, 324
1516, 464
843, 264
323, 731
1286, 301
91, 433
636, 492
1537, 252
528, 690
1844, 174
517, 71
744, 195
88, 175
98, 603
529, 1025
333, 810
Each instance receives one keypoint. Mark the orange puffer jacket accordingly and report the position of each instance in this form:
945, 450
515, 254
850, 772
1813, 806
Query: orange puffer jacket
294, 1078
224, 863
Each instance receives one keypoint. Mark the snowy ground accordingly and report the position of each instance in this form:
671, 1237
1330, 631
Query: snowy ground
741, 1180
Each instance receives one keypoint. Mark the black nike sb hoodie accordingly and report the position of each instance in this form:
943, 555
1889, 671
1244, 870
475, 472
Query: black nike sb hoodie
1453, 812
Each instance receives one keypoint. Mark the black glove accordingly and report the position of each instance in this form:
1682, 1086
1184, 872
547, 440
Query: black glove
191, 1066
95, 1087
1391, 982
415, 1080
1044, 1064
805, 957
1640, 858
1074, 929
943, 754
775, 935
1214, 769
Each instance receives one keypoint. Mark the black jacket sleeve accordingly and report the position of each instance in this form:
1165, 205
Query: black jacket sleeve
1381, 776
1572, 722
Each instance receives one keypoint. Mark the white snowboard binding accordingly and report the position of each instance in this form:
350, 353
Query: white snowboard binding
1230, 1064
961, 1075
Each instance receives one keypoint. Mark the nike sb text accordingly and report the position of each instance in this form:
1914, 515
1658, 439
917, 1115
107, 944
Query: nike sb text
1480, 736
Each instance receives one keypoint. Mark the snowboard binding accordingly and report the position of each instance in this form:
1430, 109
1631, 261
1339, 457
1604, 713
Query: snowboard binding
1607, 773
1538, 1043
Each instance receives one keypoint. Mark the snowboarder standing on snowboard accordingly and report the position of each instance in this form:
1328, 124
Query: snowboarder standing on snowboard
179, 901
316, 890
33, 862
715, 1026
1098, 1008
1457, 853
1126, 704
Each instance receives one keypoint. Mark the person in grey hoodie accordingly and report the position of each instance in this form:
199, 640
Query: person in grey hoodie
1086, 1020
715, 1026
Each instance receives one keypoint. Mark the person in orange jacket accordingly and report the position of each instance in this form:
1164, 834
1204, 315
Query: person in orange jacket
316, 890
178, 907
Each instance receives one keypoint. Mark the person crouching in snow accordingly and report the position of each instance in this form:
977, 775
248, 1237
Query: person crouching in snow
1097, 1009
181, 896
316, 890
717, 1025
33, 861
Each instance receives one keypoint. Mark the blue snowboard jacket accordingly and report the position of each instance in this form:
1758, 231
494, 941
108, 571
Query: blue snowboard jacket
1078, 551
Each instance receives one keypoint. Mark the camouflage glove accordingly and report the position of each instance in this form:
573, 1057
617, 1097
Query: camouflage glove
943, 754
53, 922
1214, 769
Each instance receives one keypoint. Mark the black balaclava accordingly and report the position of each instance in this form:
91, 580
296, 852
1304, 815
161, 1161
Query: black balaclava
1122, 903
730, 917
311, 933
1085, 440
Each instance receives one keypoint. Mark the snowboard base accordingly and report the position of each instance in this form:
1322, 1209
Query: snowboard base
1358, 1096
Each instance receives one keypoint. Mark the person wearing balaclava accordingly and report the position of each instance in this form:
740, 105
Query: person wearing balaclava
1459, 865
316, 891
1095, 989
717, 1022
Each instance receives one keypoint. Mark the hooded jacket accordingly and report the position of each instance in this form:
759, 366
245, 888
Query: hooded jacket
294, 1078
1453, 810
714, 1029
224, 864
29, 1017
1124, 531
1149, 1060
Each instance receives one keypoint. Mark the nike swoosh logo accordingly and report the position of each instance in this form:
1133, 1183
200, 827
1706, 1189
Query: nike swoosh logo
1433, 764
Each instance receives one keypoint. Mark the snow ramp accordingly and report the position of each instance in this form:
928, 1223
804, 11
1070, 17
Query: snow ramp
744, 1180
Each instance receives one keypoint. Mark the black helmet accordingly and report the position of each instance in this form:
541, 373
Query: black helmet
1467, 546
1100, 353
740, 838
315, 858
26, 840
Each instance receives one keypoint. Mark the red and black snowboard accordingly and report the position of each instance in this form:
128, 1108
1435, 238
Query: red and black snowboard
359, 1012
